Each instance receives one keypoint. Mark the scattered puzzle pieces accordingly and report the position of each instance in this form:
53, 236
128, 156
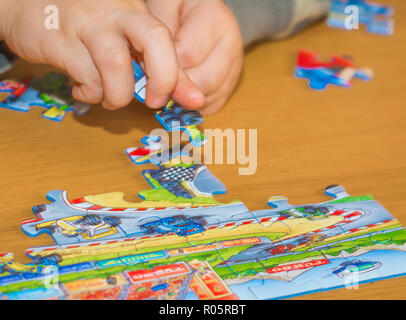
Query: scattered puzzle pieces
50, 92
339, 71
376, 17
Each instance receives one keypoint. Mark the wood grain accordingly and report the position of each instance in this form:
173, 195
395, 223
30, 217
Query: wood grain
306, 139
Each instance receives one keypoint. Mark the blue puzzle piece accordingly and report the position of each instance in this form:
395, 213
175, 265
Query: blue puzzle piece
376, 17
140, 82
173, 117
319, 78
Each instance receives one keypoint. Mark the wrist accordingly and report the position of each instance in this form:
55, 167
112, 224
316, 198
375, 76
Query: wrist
5, 6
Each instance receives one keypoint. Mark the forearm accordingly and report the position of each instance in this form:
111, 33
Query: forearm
272, 19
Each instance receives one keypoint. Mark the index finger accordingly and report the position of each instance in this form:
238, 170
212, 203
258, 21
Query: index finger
153, 41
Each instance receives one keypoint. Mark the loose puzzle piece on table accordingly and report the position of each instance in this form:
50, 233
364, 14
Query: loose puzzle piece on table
51, 92
376, 17
173, 117
200, 248
339, 71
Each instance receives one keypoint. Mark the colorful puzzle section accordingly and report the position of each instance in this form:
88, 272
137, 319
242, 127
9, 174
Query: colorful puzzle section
347, 14
181, 243
339, 71
51, 92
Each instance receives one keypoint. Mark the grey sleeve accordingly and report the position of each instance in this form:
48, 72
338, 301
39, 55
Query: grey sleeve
273, 19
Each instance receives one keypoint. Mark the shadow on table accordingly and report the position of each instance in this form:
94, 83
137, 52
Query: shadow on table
120, 121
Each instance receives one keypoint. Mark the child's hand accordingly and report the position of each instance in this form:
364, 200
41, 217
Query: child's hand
94, 44
208, 43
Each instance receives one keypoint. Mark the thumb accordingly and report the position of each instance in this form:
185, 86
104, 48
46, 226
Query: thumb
186, 93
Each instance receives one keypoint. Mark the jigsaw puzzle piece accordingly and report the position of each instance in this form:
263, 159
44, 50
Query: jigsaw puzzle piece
140, 82
50, 92
336, 191
18, 96
376, 17
339, 71
185, 181
153, 147
157, 152
173, 117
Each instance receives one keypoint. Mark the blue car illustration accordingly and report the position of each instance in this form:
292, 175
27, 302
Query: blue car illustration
181, 225
356, 267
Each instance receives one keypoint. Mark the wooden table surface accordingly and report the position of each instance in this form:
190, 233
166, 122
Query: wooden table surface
306, 139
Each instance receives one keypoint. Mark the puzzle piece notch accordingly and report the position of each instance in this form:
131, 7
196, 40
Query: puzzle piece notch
376, 17
339, 71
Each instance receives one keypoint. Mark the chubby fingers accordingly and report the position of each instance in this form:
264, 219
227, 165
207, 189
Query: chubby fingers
112, 58
153, 41
218, 99
137, 31
195, 39
186, 93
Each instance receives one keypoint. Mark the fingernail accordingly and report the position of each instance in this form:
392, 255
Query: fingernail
196, 97
107, 105
158, 102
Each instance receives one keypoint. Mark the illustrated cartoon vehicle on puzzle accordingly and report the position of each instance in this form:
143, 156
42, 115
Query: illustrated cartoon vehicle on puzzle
356, 267
309, 212
181, 225
38, 265
280, 249
89, 227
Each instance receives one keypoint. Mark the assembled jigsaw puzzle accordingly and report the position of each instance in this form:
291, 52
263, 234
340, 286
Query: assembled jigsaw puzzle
376, 17
51, 92
179, 242
339, 71
173, 117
